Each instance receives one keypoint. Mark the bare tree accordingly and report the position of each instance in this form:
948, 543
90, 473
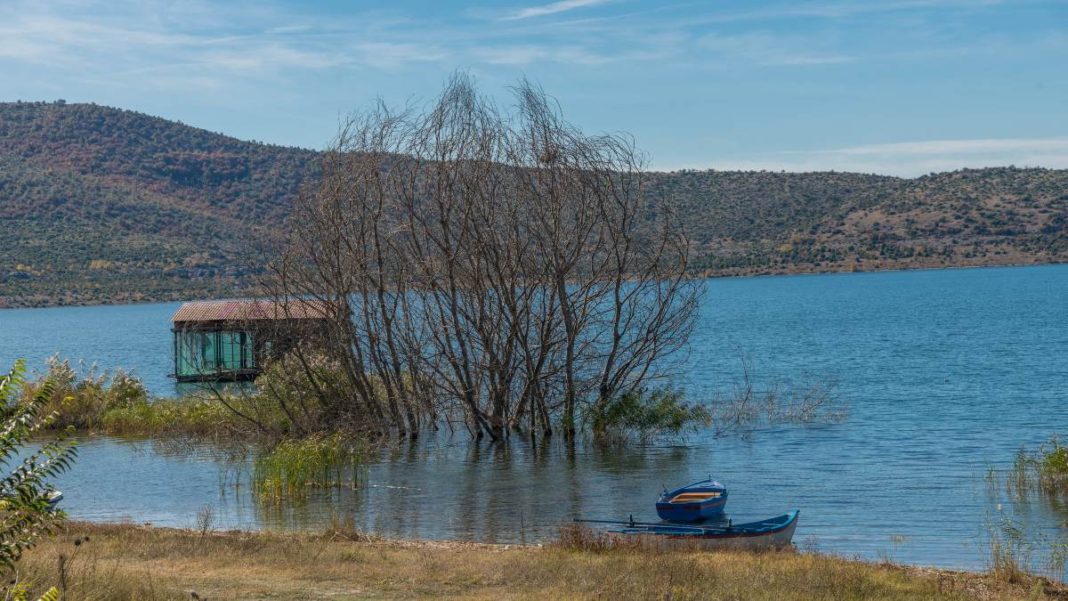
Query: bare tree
500, 268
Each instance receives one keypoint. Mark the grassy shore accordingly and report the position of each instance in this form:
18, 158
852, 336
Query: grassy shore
108, 562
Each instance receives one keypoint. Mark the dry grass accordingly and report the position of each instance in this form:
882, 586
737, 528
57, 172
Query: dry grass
132, 562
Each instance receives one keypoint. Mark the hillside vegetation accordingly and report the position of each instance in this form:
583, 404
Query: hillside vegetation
104, 205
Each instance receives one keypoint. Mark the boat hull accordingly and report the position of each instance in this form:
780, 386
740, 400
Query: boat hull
695, 502
691, 512
774, 533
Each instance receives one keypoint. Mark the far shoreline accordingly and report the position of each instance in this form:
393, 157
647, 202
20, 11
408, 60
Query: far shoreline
701, 274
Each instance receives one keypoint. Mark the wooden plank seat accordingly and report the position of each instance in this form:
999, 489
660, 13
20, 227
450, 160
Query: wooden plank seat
692, 497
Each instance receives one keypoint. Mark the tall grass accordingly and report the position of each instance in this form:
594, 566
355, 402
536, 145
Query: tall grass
295, 466
1017, 549
579, 537
188, 417
1044, 471
117, 403
133, 562
74, 567
1011, 552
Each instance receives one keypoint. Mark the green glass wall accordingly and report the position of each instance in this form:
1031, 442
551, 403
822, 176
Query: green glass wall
203, 353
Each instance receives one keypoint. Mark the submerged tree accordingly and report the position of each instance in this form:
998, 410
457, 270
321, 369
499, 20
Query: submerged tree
498, 268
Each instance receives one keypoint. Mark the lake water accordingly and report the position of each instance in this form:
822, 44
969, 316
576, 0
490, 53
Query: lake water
945, 374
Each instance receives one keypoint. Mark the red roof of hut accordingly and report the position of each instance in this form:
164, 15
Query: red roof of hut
250, 310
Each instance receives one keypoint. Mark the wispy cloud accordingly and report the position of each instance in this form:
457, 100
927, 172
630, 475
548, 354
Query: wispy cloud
202, 45
766, 49
838, 10
956, 147
690, 63
270, 38
552, 8
387, 55
910, 159
528, 54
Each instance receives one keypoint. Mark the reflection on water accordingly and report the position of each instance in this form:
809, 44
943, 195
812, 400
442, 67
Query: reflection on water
448, 487
945, 374
451, 488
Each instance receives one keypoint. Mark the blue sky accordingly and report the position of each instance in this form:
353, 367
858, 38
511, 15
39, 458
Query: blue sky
901, 87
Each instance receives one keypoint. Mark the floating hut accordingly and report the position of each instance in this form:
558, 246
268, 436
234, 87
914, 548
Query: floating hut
230, 340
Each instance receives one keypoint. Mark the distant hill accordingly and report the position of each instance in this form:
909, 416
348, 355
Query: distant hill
766, 222
104, 205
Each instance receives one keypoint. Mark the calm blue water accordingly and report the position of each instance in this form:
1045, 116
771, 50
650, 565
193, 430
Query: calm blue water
944, 373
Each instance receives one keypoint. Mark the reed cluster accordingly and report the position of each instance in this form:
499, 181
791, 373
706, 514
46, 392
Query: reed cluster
290, 460
1043, 471
185, 417
1016, 548
294, 466
1011, 552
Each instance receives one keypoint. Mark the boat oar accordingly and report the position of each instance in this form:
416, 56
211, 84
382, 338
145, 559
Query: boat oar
633, 524
629, 522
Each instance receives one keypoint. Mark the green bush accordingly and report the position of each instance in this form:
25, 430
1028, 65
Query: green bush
283, 403
645, 414
85, 399
1044, 470
1054, 466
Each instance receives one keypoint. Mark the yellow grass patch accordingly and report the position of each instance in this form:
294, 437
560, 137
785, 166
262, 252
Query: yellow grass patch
133, 562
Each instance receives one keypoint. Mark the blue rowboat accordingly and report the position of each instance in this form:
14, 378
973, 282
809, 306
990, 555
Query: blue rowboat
772, 533
693, 502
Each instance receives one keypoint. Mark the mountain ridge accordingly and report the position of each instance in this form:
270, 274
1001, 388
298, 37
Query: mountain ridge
99, 204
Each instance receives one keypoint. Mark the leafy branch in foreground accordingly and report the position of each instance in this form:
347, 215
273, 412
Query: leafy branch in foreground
26, 511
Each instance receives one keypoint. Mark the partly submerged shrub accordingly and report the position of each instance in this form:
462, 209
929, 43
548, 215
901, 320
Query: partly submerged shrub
288, 387
747, 406
1053, 467
1044, 470
293, 466
303, 393
180, 417
644, 414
